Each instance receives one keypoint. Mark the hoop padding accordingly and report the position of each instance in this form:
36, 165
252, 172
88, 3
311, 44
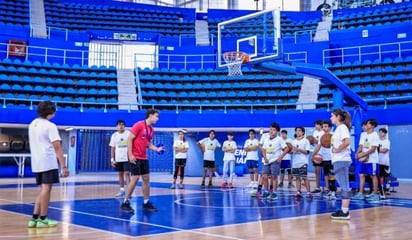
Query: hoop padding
234, 62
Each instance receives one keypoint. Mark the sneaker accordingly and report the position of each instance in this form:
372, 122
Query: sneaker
297, 195
358, 196
250, 185
265, 195
32, 223
382, 196
373, 197
231, 185
290, 185
45, 223
181, 186
224, 185
255, 185
309, 195
126, 207
339, 215
316, 191
149, 207
210, 185
202, 185
173, 186
253, 193
120, 194
273, 196
280, 184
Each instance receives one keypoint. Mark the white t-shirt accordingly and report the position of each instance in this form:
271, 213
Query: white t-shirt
263, 138
317, 135
298, 158
384, 157
210, 146
252, 155
274, 148
341, 132
119, 142
287, 156
42, 134
183, 145
368, 140
229, 145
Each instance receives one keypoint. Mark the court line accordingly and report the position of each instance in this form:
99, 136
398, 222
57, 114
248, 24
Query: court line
124, 220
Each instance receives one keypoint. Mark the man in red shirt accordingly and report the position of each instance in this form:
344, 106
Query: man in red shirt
140, 138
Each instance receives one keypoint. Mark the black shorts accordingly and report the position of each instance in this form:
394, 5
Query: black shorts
317, 164
384, 171
122, 167
328, 168
208, 164
180, 162
47, 177
300, 172
140, 168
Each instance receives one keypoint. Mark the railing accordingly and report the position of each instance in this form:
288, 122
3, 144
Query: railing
50, 30
168, 61
43, 54
193, 36
201, 107
360, 53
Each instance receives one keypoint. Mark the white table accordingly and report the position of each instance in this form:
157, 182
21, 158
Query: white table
20, 159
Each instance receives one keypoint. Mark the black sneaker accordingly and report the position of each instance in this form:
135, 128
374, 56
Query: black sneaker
339, 215
149, 207
210, 185
126, 207
202, 185
316, 191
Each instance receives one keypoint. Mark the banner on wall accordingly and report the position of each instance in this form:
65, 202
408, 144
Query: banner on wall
123, 36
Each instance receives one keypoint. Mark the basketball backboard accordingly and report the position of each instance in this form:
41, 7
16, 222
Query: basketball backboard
256, 34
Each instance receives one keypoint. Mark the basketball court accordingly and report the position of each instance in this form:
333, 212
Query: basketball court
86, 208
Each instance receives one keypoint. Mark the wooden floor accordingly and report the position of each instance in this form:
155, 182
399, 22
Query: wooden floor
86, 209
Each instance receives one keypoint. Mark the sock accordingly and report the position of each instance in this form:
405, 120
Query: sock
121, 189
145, 201
259, 187
345, 210
271, 187
35, 216
42, 217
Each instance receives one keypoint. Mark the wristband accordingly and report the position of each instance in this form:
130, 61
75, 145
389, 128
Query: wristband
112, 160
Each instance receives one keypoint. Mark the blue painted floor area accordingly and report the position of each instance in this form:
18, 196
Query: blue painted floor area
179, 211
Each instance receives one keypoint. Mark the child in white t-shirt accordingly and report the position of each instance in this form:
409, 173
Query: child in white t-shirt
229, 148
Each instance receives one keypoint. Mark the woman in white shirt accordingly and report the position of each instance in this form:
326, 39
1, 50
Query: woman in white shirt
181, 146
341, 159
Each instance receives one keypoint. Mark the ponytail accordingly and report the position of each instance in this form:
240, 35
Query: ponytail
344, 117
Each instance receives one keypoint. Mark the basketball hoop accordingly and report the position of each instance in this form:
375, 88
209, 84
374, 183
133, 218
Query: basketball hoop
234, 62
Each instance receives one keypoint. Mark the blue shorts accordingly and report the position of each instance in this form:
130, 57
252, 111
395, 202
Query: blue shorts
252, 164
285, 164
369, 169
272, 169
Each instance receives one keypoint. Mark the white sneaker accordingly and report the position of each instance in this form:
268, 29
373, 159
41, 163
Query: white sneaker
332, 195
255, 185
251, 184
120, 194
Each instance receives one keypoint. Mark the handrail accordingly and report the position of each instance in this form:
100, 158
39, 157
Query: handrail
224, 107
327, 57
49, 29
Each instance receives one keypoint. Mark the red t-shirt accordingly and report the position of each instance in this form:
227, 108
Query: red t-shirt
144, 135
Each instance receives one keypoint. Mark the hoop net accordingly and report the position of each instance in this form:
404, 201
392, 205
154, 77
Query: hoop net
234, 62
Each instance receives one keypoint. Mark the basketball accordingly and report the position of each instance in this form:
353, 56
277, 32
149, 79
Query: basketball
290, 147
246, 59
312, 140
325, 140
317, 158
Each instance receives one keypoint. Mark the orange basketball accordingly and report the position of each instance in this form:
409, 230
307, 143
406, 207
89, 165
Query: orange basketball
325, 140
246, 59
290, 147
317, 158
312, 140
